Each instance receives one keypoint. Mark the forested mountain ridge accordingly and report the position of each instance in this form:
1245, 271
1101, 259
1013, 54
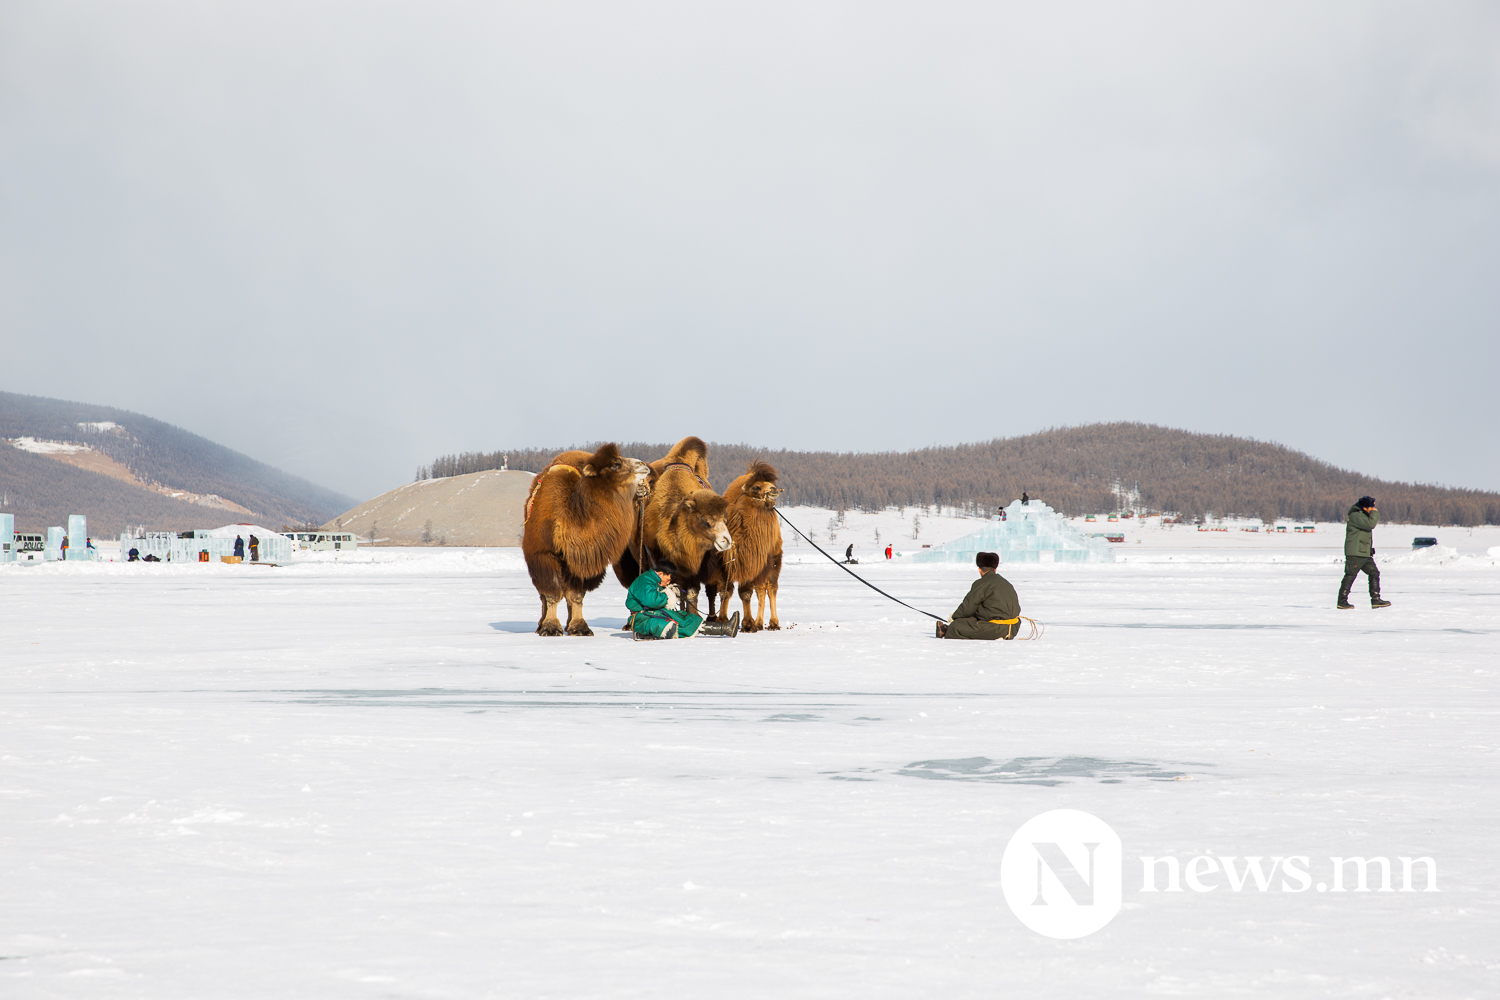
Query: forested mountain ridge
159, 453
42, 492
1079, 470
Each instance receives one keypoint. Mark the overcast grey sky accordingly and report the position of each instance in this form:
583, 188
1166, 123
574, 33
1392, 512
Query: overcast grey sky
346, 237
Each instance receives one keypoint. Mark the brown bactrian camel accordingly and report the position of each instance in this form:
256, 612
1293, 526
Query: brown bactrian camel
577, 524
683, 522
690, 452
754, 562
578, 459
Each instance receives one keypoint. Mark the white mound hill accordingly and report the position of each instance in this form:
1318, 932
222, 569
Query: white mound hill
482, 508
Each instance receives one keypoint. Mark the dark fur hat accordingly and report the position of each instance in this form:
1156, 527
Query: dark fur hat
1365, 502
987, 560
665, 566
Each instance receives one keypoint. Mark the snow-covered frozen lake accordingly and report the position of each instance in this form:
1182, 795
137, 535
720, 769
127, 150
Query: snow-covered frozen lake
367, 778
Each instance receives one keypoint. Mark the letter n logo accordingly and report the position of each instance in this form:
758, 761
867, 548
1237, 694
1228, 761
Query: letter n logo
1079, 887
1062, 873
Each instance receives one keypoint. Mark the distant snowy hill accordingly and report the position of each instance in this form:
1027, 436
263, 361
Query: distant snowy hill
123, 468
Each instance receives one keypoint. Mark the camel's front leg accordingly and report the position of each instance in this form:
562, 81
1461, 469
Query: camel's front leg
576, 624
549, 625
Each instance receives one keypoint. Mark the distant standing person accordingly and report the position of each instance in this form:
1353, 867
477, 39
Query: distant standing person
991, 609
1359, 552
849, 553
1025, 500
254, 549
239, 547
888, 551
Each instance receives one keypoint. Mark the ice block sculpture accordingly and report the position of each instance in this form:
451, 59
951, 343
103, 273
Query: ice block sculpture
1030, 532
78, 537
53, 549
7, 538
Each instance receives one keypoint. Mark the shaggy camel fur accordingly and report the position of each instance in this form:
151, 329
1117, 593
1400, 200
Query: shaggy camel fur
682, 522
579, 523
691, 452
755, 560
624, 566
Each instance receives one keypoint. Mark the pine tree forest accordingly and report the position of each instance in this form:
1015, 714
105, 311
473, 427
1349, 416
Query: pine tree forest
1078, 470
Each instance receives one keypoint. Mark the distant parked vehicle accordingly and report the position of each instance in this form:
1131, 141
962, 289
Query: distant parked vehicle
1423, 542
322, 541
30, 546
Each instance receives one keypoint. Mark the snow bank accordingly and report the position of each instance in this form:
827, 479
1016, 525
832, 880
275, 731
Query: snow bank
37, 447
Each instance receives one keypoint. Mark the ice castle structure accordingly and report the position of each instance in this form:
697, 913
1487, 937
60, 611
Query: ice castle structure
1030, 532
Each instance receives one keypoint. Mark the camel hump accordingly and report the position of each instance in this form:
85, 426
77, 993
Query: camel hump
690, 451
577, 459
689, 446
603, 458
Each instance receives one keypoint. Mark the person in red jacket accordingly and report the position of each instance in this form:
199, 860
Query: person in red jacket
887, 551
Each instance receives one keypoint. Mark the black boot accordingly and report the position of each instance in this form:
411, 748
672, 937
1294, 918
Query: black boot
1376, 602
1344, 604
731, 628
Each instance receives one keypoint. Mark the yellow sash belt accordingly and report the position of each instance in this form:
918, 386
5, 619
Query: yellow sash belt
1005, 621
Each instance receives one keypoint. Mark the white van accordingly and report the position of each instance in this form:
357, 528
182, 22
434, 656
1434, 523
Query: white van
323, 541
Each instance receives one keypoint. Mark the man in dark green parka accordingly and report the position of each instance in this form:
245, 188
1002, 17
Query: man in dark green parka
990, 611
1359, 552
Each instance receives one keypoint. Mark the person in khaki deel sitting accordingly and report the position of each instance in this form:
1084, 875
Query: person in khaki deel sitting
990, 611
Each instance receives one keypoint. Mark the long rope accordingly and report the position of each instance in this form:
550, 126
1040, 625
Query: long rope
851, 572
1037, 628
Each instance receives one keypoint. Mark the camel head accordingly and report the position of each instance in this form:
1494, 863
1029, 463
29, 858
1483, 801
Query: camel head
702, 514
644, 479
762, 485
765, 493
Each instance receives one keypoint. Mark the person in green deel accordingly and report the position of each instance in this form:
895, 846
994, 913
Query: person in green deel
650, 598
1359, 552
990, 611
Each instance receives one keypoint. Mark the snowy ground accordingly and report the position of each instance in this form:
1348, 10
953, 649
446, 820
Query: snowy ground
366, 778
